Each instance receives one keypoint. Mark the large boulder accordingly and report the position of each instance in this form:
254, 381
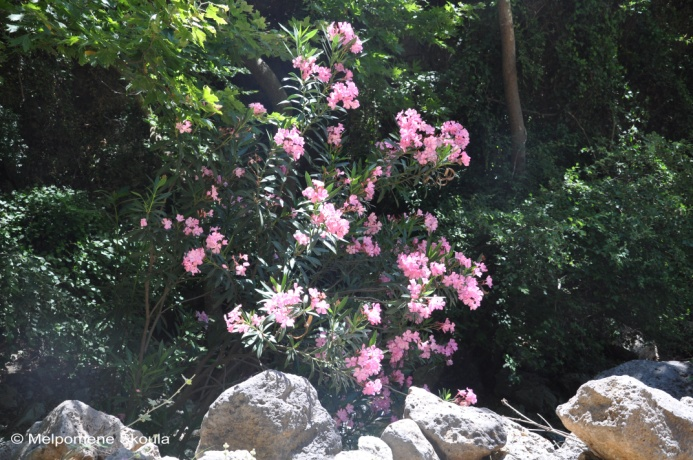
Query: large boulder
620, 418
276, 414
77, 431
457, 433
407, 442
672, 377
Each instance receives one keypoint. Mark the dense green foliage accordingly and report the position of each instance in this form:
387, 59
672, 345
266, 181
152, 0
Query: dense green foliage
593, 244
579, 261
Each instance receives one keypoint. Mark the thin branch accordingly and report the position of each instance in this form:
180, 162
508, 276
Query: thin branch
524, 419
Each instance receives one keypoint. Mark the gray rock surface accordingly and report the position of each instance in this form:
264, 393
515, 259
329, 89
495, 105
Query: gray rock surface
276, 414
620, 418
687, 400
125, 454
524, 445
457, 433
355, 455
375, 446
672, 377
75, 421
407, 442
573, 449
225, 455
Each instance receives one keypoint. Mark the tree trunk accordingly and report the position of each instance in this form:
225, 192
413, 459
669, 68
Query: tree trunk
269, 82
518, 132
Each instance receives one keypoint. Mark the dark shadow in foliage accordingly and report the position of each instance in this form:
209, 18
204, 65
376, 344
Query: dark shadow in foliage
74, 126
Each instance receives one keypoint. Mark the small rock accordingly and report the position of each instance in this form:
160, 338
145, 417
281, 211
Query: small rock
375, 446
407, 442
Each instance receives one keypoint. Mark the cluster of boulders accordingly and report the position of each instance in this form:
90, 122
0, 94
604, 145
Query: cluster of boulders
641, 410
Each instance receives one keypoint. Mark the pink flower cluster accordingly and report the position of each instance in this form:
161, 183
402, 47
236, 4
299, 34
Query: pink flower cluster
345, 93
234, 321
301, 238
291, 141
192, 226
365, 245
465, 397
193, 259
317, 192
318, 302
372, 312
215, 240
353, 204
332, 219
414, 134
258, 109
344, 416
184, 127
346, 35
281, 306
366, 364
334, 134
241, 264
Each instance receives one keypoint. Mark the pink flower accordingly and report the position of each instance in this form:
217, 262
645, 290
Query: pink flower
301, 238
324, 73
291, 141
316, 193
241, 266
373, 387
414, 265
179, 218
192, 227
202, 317
239, 172
215, 241
167, 223
333, 220
372, 313
465, 397
346, 35
447, 326
193, 259
348, 74
258, 109
372, 225
367, 363
306, 66
234, 321
344, 93
317, 301
143, 222
184, 127
430, 222
280, 305
334, 134
213, 194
